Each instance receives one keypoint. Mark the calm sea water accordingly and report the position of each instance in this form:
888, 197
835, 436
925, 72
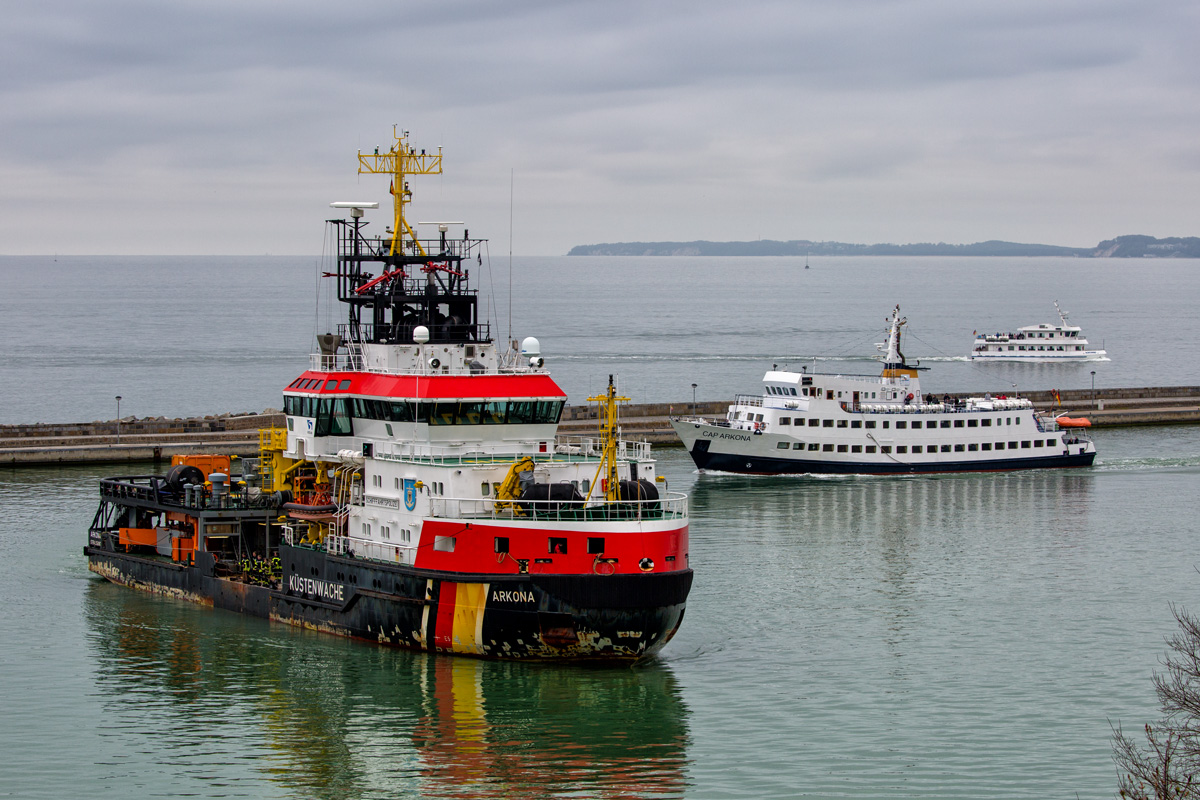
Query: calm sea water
957, 636
962, 637
183, 336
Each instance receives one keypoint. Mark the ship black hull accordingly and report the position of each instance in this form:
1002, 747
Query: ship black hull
765, 465
532, 616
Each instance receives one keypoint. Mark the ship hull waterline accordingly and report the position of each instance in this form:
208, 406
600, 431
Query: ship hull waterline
550, 617
751, 463
758, 465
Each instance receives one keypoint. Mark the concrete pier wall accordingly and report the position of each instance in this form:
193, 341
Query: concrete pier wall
237, 434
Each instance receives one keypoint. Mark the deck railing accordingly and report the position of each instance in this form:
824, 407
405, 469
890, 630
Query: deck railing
367, 548
672, 505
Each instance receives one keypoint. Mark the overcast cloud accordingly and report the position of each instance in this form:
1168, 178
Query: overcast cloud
227, 127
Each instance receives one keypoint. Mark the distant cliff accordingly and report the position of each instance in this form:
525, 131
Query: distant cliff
1120, 247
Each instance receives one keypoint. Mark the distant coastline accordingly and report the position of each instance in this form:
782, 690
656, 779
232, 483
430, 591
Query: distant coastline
1120, 247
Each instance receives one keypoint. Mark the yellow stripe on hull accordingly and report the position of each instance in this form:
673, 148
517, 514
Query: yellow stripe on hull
469, 602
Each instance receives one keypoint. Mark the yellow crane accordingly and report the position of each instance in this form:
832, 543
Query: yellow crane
400, 162
609, 433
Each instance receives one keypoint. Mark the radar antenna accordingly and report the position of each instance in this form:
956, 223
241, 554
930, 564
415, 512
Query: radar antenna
400, 162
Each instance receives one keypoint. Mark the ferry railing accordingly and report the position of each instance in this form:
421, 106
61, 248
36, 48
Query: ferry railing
671, 505
964, 407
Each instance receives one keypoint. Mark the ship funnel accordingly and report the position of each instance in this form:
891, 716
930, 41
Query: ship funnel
328, 343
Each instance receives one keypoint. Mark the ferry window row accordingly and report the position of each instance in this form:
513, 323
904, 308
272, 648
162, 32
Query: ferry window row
452, 412
985, 422
813, 391
971, 448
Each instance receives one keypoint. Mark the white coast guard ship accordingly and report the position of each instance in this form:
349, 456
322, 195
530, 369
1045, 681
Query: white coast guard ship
821, 423
418, 496
1048, 343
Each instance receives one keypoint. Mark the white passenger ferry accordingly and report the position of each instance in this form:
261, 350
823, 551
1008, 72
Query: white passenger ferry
1043, 342
819, 423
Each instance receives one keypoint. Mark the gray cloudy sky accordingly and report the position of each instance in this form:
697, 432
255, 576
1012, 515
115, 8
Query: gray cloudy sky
214, 126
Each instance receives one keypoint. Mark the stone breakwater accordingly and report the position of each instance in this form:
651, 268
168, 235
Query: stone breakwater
157, 439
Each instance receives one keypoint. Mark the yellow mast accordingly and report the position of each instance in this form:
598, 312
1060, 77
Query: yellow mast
608, 441
400, 162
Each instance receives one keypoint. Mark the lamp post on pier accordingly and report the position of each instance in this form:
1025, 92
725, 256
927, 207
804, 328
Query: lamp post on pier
693, 399
1093, 387
119, 418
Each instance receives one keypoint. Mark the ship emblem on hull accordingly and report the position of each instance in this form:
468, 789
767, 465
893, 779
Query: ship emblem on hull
410, 493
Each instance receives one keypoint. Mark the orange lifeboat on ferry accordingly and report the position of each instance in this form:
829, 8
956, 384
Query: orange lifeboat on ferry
1073, 422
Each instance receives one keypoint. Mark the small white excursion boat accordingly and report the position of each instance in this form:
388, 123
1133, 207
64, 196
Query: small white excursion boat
1043, 343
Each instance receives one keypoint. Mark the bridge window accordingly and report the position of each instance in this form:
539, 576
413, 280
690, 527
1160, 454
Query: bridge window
813, 446
781, 446
333, 418
902, 449
798, 446
856, 423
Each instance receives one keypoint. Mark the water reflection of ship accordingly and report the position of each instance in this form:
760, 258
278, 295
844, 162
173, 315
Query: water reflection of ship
327, 717
832, 507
